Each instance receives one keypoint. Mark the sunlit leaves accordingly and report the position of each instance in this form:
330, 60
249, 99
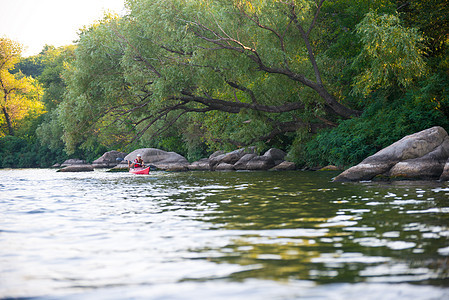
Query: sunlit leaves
391, 54
10, 52
19, 95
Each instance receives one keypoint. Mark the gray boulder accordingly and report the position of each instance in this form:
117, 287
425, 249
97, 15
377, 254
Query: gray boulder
429, 166
234, 156
284, 166
73, 161
445, 175
229, 158
215, 160
414, 156
77, 168
216, 153
260, 163
224, 167
109, 159
247, 159
275, 154
242, 162
201, 165
161, 159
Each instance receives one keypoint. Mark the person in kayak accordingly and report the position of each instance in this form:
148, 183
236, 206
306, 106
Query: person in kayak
138, 162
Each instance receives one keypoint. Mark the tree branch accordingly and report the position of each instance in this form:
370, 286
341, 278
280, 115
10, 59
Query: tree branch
305, 37
243, 89
138, 56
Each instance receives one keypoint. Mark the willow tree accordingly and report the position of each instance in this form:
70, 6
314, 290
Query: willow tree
169, 58
53, 61
259, 61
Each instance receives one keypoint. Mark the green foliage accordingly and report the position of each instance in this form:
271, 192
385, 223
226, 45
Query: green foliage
432, 18
16, 152
390, 55
19, 94
55, 61
95, 83
126, 73
30, 66
160, 52
383, 122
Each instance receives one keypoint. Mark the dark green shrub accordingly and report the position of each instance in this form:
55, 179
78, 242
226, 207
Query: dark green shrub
382, 123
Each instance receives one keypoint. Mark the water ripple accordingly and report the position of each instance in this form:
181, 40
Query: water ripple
213, 235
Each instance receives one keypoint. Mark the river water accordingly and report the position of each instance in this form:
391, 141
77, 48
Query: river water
220, 235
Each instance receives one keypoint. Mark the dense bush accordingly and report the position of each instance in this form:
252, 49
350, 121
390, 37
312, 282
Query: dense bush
383, 122
16, 152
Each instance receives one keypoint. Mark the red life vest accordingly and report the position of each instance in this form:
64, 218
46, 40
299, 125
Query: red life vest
137, 164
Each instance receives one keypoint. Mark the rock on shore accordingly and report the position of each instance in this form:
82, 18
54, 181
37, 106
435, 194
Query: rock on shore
241, 159
74, 165
77, 168
244, 159
422, 155
109, 159
163, 160
72, 162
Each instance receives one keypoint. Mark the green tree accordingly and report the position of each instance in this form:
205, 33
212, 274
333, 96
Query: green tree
54, 61
202, 56
431, 17
391, 54
233, 73
19, 94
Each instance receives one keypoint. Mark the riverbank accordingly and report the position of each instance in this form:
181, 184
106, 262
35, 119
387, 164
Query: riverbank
238, 160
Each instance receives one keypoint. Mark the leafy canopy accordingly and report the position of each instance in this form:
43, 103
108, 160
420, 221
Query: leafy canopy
19, 95
391, 54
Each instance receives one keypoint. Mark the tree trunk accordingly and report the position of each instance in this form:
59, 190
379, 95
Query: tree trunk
336, 106
8, 121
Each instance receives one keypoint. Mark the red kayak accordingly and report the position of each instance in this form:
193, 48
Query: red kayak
140, 171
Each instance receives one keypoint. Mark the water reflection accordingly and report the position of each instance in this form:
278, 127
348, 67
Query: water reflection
255, 235
335, 233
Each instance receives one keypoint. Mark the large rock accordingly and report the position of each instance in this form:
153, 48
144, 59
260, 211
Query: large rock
77, 168
415, 154
216, 153
363, 171
284, 166
228, 158
275, 154
161, 159
215, 160
224, 167
243, 159
234, 156
260, 163
109, 159
429, 166
201, 165
242, 162
73, 161
445, 175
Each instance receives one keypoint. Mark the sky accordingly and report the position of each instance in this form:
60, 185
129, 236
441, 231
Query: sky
35, 23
